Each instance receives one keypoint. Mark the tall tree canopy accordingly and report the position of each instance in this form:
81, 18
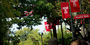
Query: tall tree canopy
6, 11
14, 9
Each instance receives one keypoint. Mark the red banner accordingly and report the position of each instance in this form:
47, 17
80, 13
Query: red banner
74, 5
47, 26
82, 16
65, 10
28, 13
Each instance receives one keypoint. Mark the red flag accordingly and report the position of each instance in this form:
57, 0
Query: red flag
50, 26
82, 16
47, 26
65, 10
74, 5
25, 12
28, 13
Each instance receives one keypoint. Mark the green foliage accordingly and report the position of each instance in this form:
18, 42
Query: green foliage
32, 20
58, 9
32, 37
46, 38
85, 6
49, 6
6, 11
67, 36
41, 8
28, 37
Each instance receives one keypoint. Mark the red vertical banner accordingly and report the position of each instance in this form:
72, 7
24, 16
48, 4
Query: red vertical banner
74, 4
47, 27
65, 10
50, 26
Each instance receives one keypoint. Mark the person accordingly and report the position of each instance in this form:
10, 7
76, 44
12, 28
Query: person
88, 42
79, 42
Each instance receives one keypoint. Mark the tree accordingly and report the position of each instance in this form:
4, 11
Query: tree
41, 8
26, 36
86, 10
6, 11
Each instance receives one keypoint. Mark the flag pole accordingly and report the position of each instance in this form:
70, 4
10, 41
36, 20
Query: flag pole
62, 29
72, 28
62, 33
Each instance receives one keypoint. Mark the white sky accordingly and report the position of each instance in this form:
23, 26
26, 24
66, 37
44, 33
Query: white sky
40, 27
14, 28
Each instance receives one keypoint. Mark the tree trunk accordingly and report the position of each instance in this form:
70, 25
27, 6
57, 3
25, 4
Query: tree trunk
54, 31
89, 30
